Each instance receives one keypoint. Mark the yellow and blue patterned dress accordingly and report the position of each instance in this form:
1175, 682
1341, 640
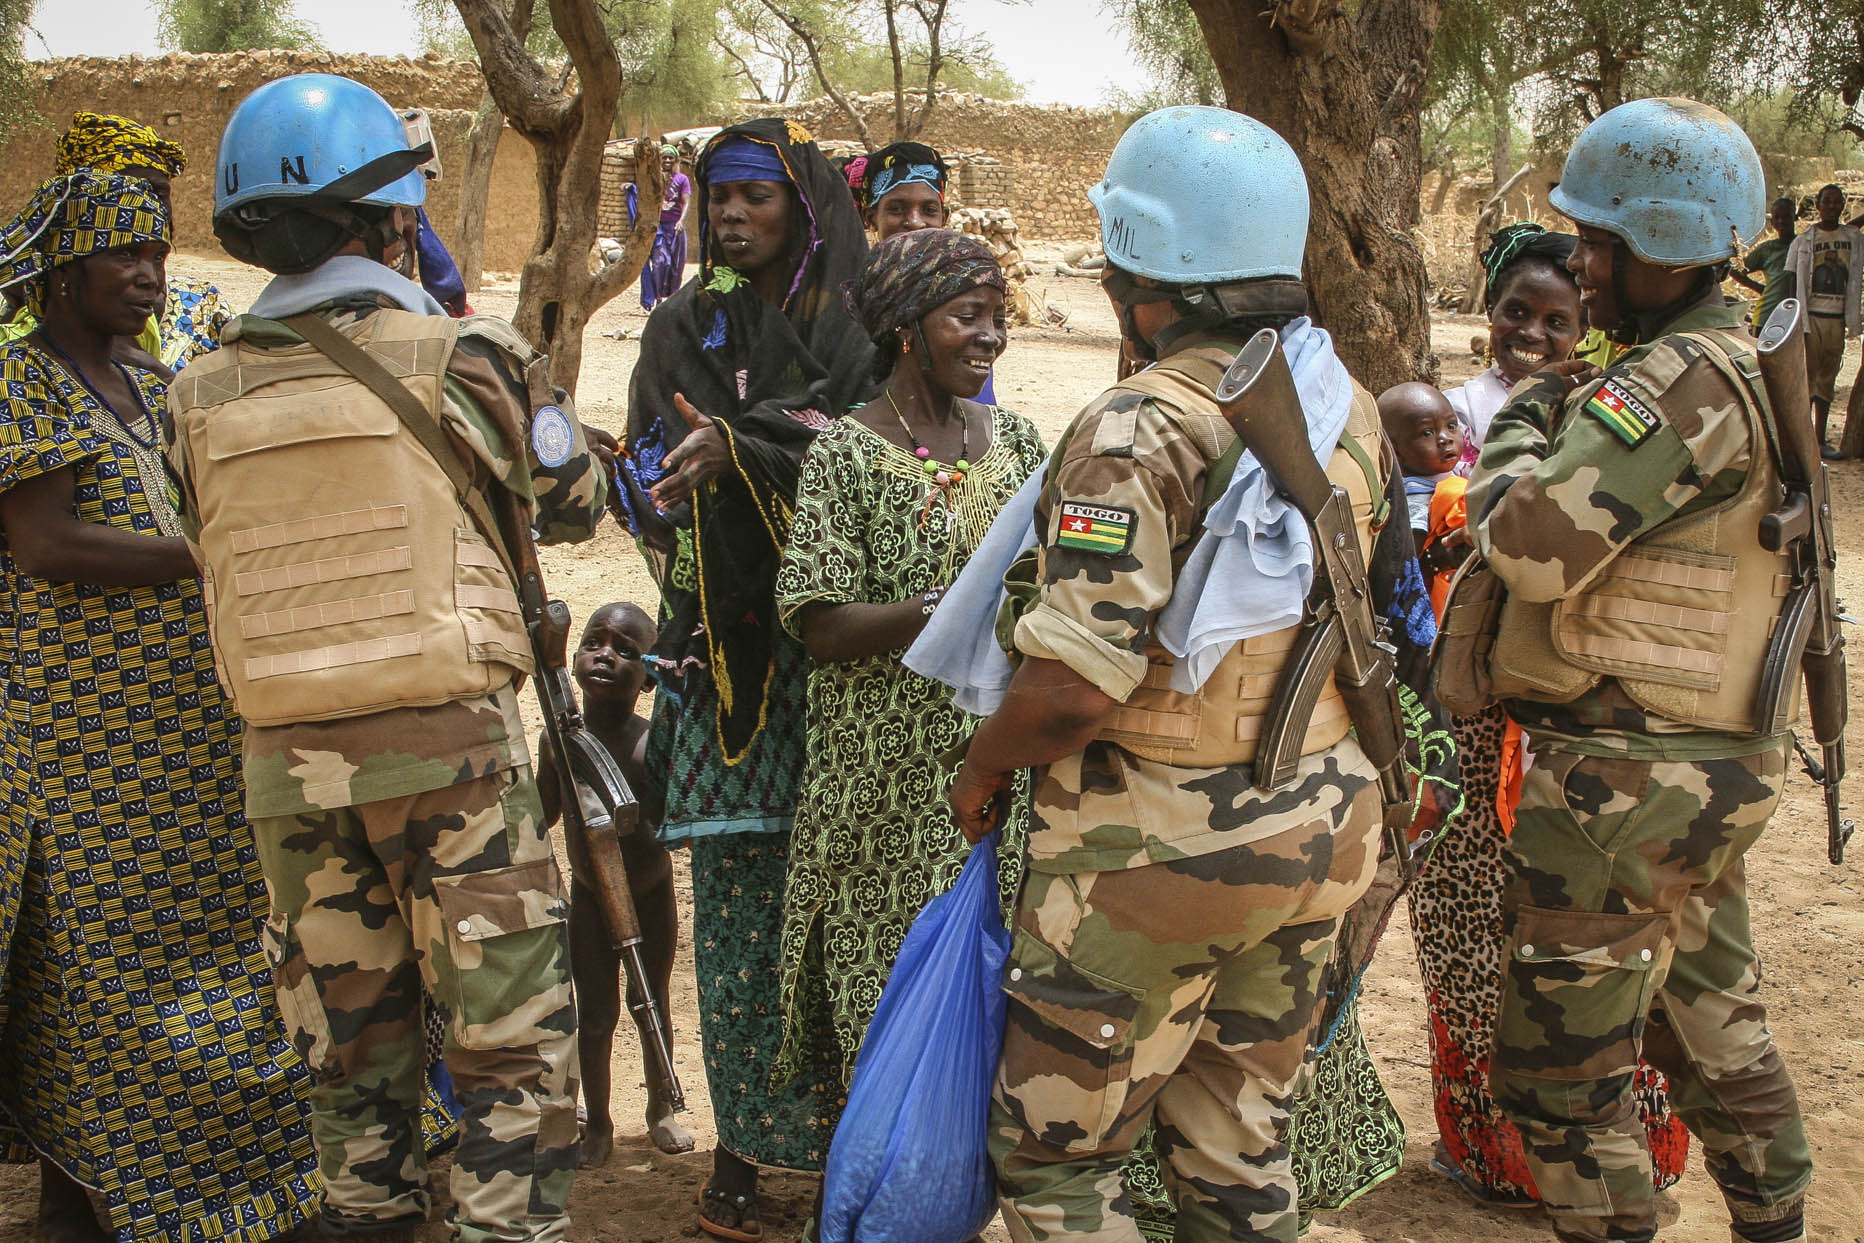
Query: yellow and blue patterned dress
141, 1050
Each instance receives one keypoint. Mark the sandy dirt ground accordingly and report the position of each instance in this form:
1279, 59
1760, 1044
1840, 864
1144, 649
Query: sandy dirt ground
1809, 916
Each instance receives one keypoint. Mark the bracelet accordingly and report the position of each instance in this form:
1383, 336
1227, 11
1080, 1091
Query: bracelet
931, 599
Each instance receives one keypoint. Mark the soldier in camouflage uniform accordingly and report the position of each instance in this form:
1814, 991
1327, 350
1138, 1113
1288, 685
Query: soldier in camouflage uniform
1174, 925
367, 625
1622, 516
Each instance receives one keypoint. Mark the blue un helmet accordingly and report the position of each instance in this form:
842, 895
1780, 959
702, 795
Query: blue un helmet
1678, 181
303, 162
1202, 196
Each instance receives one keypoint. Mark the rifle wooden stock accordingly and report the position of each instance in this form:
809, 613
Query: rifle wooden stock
1340, 635
1808, 640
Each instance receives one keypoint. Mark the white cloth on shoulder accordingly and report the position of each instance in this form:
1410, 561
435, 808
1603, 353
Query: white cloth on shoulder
343, 277
1250, 577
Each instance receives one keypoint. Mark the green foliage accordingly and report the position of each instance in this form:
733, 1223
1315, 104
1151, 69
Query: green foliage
1169, 45
862, 66
231, 25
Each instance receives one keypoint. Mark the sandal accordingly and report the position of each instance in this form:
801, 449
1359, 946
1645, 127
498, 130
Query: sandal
1446, 1165
740, 1203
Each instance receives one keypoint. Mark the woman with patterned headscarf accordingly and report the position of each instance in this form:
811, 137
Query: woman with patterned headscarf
1457, 916
739, 371
141, 1055
188, 320
895, 497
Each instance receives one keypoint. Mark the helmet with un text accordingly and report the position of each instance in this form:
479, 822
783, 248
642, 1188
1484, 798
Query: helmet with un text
1677, 180
1200, 195
316, 136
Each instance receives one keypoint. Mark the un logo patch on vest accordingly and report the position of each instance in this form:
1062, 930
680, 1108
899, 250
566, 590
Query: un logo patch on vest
1095, 528
1623, 415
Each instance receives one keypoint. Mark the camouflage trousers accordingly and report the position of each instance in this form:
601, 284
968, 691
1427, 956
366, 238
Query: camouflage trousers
457, 888
1182, 993
1629, 902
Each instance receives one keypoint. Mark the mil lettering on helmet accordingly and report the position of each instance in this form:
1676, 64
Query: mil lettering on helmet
1199, 195
1677, 180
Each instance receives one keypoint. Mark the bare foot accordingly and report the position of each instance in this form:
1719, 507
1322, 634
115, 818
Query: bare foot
666, 1132
598, 1142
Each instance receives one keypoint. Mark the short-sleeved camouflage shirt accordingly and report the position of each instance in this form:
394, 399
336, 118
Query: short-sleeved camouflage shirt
1118, 515
1566, 481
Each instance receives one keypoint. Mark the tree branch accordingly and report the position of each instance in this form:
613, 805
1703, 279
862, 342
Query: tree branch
814, 51
519, 85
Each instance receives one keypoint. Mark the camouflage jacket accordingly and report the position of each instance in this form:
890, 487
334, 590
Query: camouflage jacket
315, 765
1139, 479
1565, 483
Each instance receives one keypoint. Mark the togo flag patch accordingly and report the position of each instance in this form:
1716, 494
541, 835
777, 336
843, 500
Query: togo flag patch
1095, 528
1624, 415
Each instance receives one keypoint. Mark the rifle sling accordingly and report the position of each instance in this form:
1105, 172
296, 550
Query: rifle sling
364, 368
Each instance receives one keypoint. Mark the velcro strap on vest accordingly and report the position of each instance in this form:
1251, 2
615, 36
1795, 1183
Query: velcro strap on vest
323, 526
323, 570
388, 647
1681, 659
468, 596
1637, 568
1649, 613
334, 613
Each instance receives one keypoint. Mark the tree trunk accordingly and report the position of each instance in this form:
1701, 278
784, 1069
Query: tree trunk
488, 126
568, 129
1501, 147
1345, 92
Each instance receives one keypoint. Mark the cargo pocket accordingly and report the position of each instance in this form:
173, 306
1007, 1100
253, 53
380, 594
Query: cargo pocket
503, 938
1578, 993
1068, 1050
298, 1003
488, 607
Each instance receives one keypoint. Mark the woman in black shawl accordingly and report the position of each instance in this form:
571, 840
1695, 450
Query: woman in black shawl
738, 372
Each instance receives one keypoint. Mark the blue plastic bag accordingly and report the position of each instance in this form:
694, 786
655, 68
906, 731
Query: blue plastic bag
908, 1163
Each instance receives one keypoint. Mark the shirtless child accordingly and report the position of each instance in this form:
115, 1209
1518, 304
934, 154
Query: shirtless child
608, 671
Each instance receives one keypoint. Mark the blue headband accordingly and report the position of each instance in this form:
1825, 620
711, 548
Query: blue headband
742, 159
888, 179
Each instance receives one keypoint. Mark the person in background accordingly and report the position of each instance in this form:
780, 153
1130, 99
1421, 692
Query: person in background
140, 1050
610, 671
1827, 262
665, 270
188, 322
1428, 439
740, 369
901, 187
895, 497
1777, 280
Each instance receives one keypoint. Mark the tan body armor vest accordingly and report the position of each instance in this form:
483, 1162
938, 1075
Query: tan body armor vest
342, 576
1681, 617
1218, 725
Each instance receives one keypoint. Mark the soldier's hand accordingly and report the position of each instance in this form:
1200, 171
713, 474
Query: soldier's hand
978, 800
604, 445
700, 457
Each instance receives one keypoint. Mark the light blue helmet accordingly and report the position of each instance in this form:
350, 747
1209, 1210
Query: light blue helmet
316, 136
1677, 180
1198, 195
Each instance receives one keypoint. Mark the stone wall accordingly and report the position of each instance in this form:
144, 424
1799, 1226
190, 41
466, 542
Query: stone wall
1039, 162
188, 98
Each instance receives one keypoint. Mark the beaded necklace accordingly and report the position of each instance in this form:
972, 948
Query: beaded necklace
941, 473
129, 382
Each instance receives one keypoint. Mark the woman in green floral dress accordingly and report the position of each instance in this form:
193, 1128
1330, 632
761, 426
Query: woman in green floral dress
895, 497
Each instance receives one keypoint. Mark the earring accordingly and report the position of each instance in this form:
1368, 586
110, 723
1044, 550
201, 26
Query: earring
906, 345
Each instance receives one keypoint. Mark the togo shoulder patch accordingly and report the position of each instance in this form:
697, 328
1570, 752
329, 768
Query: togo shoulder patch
1627, 417
1104, 529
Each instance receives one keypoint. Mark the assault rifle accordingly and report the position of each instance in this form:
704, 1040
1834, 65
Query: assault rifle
1808, 640
1341, 636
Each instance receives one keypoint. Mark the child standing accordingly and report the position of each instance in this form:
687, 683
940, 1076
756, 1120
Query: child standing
1827, 261
1769, 259
609, 672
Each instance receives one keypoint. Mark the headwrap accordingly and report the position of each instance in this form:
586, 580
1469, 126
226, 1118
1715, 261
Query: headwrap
73, 216
911, 273
737, 159
899, 164
770, 376
108, 144
1515, 244
667, 148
